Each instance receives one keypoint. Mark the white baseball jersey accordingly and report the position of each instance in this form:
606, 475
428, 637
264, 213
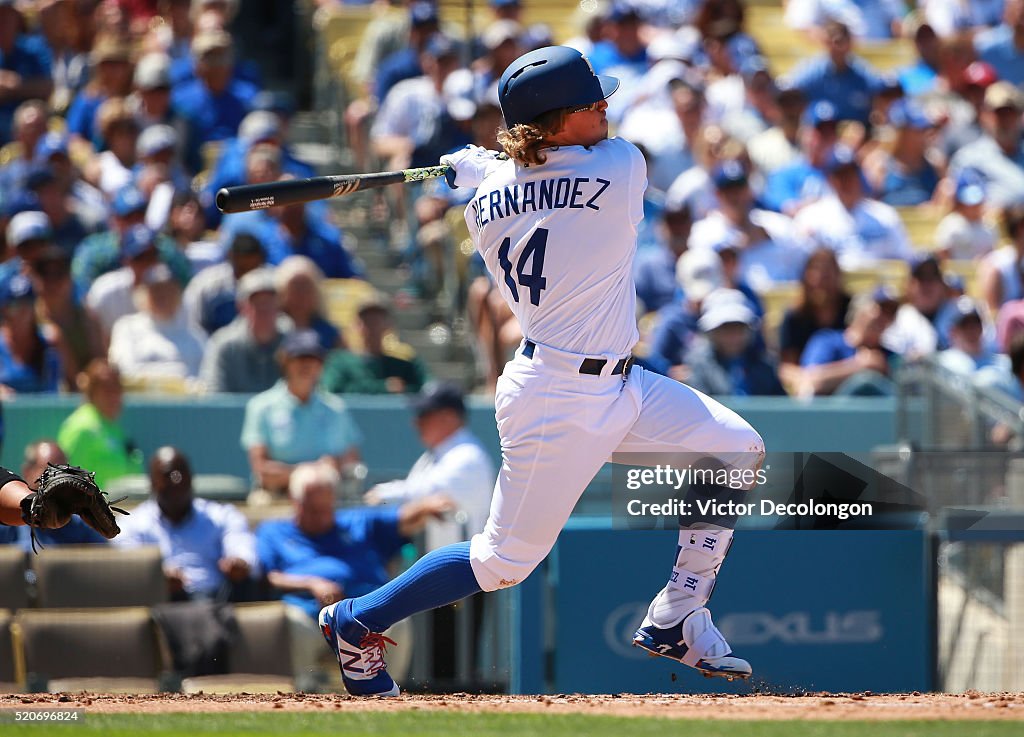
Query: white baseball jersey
559, 240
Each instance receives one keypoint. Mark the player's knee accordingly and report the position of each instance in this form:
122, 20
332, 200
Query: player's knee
497, 569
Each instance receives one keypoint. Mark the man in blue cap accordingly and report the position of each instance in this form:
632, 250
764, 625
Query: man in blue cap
101, 252
861, 230
803, 181
767, 245
964, 234
904, 177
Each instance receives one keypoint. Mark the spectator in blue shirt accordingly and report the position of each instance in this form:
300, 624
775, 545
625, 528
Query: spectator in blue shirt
24, 67
214, 103
804, 181
1003, 46
29, 360
297, 230
294, 421
322, 555
260, 127
839, 77
922, 76
208, 551
405, 63
29, 126
903, 176
68, 228
725, 359
654, 268
112, 72
624, 49
851, 361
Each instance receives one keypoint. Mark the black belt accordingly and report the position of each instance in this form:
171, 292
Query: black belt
590, 366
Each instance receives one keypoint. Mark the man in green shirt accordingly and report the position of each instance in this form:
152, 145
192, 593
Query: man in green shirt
371, 370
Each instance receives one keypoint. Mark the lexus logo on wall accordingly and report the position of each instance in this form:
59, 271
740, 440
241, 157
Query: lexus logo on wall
802, 628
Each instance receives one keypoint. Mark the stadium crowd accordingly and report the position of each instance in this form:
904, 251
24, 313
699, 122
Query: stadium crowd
774, 257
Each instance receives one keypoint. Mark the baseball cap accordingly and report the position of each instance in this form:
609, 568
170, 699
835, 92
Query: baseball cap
259, 125
256, 281
1003, 94
18, 288
724, 306
970, 187
281, 102
980, 74
39, 176
154, 139
302, 344
437, 396
208, 41
964, 309
128, 200
136, 241
110, 48
21, 201
841, 157
730, 173
499, 32
683, 45
50, 144
751, 66
699, 273
906, 113
440, 46
376, 303
422, 13
30, 225
821, 112
153, 71
158, 274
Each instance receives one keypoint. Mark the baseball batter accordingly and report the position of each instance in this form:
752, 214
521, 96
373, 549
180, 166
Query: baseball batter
556, 223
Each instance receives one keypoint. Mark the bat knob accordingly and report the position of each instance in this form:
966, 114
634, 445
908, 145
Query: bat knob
222, 198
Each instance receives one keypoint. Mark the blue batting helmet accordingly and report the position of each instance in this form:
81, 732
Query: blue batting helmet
547, 79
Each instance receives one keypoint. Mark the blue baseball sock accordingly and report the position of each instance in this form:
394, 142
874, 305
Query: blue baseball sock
438, 578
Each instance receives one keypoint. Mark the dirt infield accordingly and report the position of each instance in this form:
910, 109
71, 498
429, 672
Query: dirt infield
971, 705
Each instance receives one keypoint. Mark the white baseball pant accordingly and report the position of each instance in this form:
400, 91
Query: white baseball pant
558, 427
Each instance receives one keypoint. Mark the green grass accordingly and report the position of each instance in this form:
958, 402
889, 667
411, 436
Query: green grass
440, 724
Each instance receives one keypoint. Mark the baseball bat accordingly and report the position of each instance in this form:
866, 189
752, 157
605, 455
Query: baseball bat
260, 196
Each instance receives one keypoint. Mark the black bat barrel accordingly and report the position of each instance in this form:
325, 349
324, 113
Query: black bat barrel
248, 197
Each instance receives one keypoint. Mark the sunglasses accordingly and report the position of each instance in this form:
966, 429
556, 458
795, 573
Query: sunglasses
584, 108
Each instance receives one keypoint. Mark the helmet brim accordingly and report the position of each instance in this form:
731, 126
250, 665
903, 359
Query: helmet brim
608, 86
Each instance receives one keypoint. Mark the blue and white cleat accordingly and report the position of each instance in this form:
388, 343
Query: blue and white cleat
360, 653
695, 642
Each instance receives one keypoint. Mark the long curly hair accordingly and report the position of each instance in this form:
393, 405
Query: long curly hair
524, 142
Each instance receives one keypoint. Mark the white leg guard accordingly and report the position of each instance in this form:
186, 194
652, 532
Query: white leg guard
702, 638
699, 556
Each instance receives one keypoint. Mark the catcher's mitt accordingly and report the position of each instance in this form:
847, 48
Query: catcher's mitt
62, 491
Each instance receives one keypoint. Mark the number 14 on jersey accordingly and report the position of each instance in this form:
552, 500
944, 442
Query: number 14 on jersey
534, 280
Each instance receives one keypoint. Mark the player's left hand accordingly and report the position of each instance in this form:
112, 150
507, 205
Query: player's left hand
470, 165
66, 490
